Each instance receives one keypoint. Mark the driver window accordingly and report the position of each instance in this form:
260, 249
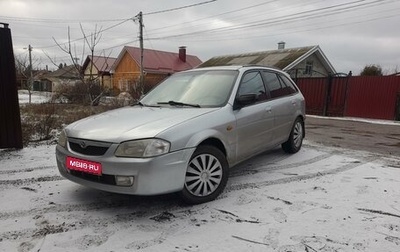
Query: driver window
252, 83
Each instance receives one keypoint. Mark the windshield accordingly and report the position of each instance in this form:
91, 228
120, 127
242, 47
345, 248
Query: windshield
207, 88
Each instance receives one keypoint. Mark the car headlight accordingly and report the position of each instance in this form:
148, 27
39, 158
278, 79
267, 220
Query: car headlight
143, 148
62, 139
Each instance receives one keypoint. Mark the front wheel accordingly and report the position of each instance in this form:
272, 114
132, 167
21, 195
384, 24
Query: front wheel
206, 175
293, 144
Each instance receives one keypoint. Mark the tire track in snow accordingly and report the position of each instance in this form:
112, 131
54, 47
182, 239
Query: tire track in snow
21, 182
343, 168
27, 169
64, 208
140, 203
265, 168
126, 219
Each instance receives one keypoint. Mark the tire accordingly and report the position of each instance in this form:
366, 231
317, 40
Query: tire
293, 144
206, 175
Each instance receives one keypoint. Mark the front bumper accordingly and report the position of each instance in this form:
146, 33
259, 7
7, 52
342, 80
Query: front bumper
157, 175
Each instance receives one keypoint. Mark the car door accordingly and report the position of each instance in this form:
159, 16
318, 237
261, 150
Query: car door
254, 122
283, 104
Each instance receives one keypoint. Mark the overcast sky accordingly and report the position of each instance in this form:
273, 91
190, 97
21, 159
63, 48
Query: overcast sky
351, 33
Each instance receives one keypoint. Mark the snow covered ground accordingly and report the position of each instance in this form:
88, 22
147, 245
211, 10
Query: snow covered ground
36, 97
320, 199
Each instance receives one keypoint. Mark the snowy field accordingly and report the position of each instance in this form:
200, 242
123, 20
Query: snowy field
320, 199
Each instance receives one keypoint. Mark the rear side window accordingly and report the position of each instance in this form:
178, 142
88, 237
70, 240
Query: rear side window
291, 89
277, 85
274, 85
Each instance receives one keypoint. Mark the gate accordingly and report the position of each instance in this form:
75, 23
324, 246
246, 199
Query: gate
397, 115
325, 96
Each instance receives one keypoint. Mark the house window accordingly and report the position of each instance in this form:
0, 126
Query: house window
309, 68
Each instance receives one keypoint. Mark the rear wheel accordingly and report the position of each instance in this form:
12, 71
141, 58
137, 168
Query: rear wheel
293, 144
206, 175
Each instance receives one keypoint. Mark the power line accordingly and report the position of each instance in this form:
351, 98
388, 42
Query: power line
179, 8
218, 15
110, 27
295, 30
82, 38
311, 14
324, 11
58, 20
238, 17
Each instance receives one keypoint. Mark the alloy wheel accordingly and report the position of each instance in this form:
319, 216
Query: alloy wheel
204, 175
298, 134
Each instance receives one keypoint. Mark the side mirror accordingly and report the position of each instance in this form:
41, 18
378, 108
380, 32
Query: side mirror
244, 100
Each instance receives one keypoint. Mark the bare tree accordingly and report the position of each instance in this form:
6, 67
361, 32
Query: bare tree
395, 71
23, 68
91, 82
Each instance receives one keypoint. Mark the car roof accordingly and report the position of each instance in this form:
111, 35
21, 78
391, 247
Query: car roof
235, 67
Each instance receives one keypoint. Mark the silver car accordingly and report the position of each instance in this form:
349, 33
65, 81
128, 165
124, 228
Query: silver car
186, 133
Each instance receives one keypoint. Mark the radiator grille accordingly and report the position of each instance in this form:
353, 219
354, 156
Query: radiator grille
89, 150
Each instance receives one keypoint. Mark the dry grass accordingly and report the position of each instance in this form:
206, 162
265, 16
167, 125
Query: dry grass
44, 121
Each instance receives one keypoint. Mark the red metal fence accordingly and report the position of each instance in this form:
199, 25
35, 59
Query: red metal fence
356, 96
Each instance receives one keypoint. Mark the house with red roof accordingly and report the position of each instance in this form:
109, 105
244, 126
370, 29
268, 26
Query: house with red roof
157, 65
97, 68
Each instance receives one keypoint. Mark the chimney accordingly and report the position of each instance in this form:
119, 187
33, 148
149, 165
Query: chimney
281, 45
182, 53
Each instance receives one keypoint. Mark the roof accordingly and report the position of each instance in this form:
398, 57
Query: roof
101, 63
284, 59
159, 61
40, 74
68, 72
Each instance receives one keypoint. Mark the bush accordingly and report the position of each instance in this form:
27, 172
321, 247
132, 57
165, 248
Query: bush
74, 93
27, 132
38, 122
43, 121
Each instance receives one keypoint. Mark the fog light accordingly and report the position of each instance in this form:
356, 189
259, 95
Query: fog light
124, 180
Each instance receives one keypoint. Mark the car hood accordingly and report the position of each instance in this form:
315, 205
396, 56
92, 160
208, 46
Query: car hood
130, 123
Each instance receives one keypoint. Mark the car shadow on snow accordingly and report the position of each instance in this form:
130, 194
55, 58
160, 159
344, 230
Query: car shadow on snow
96, 199
122, 208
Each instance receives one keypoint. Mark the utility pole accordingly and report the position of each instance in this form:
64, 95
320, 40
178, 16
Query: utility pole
141, 80
30, 73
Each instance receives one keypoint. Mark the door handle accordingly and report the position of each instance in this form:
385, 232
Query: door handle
268, 109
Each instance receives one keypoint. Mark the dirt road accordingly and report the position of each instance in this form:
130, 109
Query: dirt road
355, 135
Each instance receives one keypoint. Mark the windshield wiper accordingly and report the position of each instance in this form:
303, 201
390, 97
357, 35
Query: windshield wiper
175, 103
144, 105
